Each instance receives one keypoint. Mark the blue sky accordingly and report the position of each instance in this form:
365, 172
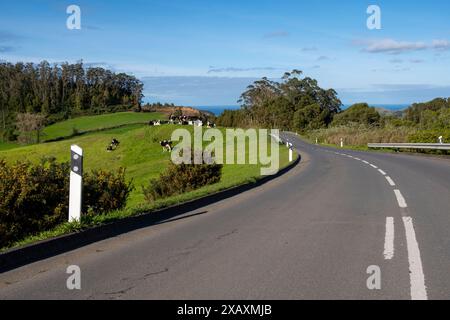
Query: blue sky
205, 52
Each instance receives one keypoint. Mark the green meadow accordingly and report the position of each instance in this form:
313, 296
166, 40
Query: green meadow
139, 153
100, 122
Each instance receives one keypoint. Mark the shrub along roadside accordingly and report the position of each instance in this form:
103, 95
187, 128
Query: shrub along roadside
358, 136
429, 136
182, 178
34, 198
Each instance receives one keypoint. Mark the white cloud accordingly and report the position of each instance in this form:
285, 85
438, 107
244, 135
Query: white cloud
393, 46
307, 49
276, 34
396, 61
323, 58
233, 69
441, 44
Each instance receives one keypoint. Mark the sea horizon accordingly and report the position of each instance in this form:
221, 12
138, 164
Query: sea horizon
219, 109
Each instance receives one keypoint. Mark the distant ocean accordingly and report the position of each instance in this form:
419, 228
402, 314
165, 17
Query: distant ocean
217, 110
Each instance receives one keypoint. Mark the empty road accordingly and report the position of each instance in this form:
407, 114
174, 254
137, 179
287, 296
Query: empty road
313, 233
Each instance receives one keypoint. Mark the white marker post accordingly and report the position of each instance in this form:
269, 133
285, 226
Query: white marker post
441, 140
291, 156
342, 143
76, 183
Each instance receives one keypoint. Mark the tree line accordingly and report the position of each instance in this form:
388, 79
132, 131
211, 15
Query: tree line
299, 104
295, 103
431, 115
60, 91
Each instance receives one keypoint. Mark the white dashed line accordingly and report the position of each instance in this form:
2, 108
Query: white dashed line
401, 201
389, 239
391, 182
416, 276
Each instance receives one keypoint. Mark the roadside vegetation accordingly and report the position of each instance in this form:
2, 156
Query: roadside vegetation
361, 124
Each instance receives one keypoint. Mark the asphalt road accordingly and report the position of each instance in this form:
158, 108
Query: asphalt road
310, 234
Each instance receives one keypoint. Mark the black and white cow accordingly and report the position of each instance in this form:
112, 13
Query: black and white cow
166, 145
113, 146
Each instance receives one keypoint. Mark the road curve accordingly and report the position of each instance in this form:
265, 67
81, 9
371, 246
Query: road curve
313, 233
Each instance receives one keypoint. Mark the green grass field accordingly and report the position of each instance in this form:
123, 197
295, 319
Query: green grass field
139, 152
90, 123
7, 146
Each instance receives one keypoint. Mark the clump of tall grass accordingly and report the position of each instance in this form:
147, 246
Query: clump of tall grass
361, 135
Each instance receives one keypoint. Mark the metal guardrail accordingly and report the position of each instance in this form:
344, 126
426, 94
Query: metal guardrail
428, 146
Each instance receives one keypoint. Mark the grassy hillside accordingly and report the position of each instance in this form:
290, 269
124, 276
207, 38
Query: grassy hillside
139, 152
89, 123
7, 146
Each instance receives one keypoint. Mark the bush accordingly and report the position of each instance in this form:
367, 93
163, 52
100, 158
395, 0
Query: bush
359, 113
32, 198
35, 198
105, 191
429, 136
9, 134
178, 179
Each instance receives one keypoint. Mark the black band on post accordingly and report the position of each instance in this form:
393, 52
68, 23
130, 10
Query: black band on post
76, 163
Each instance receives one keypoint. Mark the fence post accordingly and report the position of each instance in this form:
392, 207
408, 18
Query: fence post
76, 183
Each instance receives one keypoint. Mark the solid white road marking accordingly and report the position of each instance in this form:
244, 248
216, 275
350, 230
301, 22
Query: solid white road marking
401, 201
365, 162
389, 239
357, 159
416, 276
391, 182
382, 172
374, 166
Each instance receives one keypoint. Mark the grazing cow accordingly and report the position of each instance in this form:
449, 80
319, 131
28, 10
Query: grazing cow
166, 145
115, 142
113, 145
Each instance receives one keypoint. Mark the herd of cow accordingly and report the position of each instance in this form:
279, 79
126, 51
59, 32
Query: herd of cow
183, 120
167, 145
